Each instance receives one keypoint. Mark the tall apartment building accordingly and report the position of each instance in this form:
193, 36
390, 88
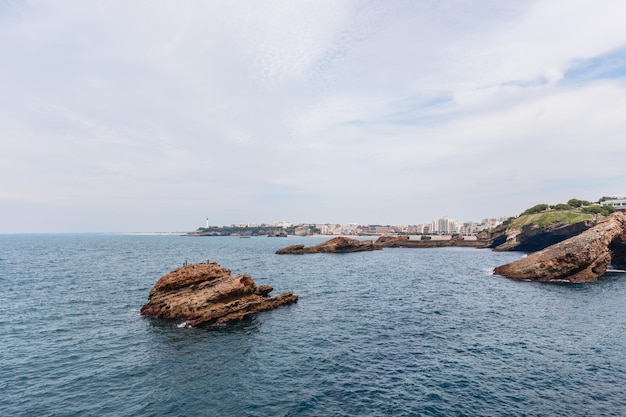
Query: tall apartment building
445, 225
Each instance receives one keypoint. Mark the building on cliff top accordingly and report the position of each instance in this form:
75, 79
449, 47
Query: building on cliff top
619, 203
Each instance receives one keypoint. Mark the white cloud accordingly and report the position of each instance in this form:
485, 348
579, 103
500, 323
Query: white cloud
313, 110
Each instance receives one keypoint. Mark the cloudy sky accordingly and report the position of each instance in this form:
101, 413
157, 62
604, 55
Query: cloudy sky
154, 115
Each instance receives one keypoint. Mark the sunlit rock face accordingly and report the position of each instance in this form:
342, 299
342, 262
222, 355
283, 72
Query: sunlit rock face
582, 258
206, 295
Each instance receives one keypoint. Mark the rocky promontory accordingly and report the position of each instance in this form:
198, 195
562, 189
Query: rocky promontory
336, 245
207, 295
581, 258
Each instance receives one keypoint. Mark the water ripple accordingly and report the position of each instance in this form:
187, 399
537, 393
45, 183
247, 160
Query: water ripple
390, 333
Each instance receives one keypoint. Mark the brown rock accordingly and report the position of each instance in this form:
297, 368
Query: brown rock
391, 241
429, 242
335, 245
206, 295
582, 258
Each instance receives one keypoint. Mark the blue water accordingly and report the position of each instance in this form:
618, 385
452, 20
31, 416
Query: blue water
398, 332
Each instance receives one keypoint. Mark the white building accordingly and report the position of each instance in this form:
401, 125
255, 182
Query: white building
619, 203
445, 225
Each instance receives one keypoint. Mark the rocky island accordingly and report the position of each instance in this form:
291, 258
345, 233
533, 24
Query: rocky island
207, 295
336, 245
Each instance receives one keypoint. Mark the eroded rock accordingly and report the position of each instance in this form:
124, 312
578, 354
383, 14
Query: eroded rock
206, 295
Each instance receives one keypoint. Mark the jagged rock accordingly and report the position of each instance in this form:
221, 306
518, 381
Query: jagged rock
206, 295
582, 258
335, 245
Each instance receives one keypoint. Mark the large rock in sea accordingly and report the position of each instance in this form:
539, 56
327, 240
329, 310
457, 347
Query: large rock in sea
336, 245
207, 295
582, 258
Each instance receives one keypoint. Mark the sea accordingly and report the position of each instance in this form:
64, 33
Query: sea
396, 332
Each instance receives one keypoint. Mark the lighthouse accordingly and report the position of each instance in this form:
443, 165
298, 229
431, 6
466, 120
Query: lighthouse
207, 222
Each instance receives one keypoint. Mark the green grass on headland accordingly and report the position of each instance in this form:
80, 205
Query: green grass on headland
545, 218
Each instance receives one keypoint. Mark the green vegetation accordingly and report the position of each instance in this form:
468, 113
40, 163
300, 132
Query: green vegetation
574, 202
256, 230
536, 209
603, 210
561, 206
573, 211
548, 217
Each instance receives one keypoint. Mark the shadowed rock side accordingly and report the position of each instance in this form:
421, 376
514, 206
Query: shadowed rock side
582, 258
335, 245
532, 237
206, 295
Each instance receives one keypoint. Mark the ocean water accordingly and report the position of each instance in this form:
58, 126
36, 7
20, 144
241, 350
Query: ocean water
398, 332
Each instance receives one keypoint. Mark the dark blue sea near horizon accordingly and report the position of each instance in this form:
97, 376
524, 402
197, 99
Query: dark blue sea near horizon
397, 332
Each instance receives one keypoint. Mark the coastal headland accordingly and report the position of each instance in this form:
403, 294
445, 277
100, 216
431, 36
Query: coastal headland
581, 258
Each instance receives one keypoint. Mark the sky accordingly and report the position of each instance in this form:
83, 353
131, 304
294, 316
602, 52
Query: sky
133, 115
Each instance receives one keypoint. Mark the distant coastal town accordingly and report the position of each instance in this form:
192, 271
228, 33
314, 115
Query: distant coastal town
443, 226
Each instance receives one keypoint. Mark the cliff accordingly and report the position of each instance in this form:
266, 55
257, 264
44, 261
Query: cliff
531, 233
207, 295
581, 258
335, 245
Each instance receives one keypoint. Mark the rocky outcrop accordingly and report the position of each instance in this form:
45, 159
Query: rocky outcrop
532, 237
582, 258
405, 242
335, 245
207, 295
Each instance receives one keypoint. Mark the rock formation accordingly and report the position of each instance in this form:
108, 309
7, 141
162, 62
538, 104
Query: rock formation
335, 245
582, 258
533, 237
206, 295
405, 242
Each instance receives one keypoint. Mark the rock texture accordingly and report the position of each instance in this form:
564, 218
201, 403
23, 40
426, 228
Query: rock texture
206, 295
582, 258
335, 245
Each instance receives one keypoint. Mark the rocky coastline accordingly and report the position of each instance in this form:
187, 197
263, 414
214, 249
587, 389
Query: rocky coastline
344, 244
581, 258
582, 251
207, 295
405, 242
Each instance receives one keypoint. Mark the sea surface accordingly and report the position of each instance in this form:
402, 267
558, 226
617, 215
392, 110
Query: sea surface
397, 332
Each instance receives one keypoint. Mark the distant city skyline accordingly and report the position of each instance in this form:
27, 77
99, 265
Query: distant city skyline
130, 116
443, 225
